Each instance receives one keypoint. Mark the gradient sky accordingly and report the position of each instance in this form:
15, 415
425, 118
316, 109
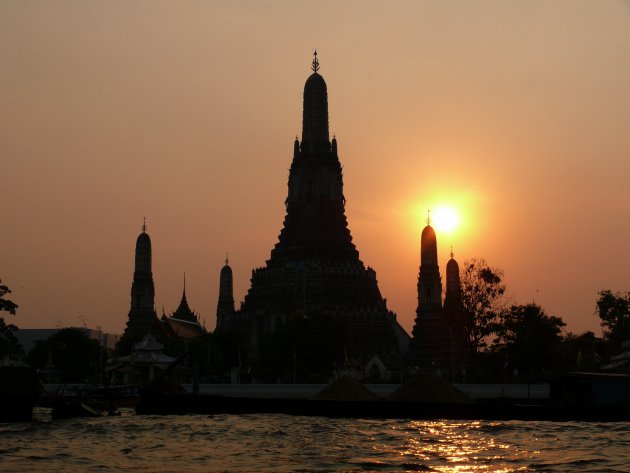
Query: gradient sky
515, 113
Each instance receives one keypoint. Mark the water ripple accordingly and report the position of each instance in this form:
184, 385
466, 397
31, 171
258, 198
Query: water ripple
252, 443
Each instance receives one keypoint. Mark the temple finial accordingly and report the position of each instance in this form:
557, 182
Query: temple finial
315, 65
227, 259
428, 217
144, 224
184, 282
452, 252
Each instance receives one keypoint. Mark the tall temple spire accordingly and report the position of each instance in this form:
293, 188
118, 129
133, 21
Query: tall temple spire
143, 258
453, 286
142, 315
429, 346
315, 114
428, 250
314, 269
454, 315
429, 280
315, 225
225, 304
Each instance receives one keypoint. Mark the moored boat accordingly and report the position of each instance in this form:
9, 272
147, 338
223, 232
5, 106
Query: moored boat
19, 391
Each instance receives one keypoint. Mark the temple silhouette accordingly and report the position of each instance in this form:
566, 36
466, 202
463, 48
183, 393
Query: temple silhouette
142, 315
314, 272
438, 336
314, 269
142, 318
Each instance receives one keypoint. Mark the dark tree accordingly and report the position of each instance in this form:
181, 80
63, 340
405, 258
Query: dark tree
614, 311
9, 345
482, 299
530, 339
5, 304
581, 352
72, 352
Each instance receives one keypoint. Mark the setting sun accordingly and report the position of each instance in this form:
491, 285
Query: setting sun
444, 219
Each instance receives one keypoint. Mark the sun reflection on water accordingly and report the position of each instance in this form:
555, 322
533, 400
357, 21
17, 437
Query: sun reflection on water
452, 446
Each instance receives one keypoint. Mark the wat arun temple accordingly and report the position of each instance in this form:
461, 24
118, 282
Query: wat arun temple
314, 270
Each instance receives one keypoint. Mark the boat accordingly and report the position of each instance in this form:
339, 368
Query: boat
95, 402
82, 405
19, 391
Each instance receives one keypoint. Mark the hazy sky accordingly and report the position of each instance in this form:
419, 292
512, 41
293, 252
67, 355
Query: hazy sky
517, 114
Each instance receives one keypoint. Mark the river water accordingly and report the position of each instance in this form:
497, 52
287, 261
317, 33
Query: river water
281, 443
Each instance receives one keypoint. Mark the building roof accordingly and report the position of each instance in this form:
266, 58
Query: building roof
146, 352
184, 312
143, 239
148, 343
147, 358
183, 328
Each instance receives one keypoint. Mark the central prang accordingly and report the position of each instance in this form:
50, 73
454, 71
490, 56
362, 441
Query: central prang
314, 272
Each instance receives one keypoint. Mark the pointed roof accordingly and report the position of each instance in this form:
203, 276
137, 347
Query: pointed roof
453, 285
143, 251
428, 246
452, 268
143, 238
226, 270
183, 328
183, 312
315, 112
148, 343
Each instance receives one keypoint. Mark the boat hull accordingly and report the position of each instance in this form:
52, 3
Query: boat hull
19, 391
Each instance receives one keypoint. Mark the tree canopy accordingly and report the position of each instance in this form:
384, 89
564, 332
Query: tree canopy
6, 305
529, 338
71, 351
580, 351
9, 344
482, 299
614, 312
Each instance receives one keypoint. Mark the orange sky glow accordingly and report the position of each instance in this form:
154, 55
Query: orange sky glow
514, 114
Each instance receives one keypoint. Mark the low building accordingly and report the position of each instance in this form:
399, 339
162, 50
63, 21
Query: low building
145, 362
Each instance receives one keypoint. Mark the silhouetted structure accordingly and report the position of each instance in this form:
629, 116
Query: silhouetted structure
142, 315
183, 311
430, 345
183, 323
142, 365
226, 294
314, 269
454, 316
143, 319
